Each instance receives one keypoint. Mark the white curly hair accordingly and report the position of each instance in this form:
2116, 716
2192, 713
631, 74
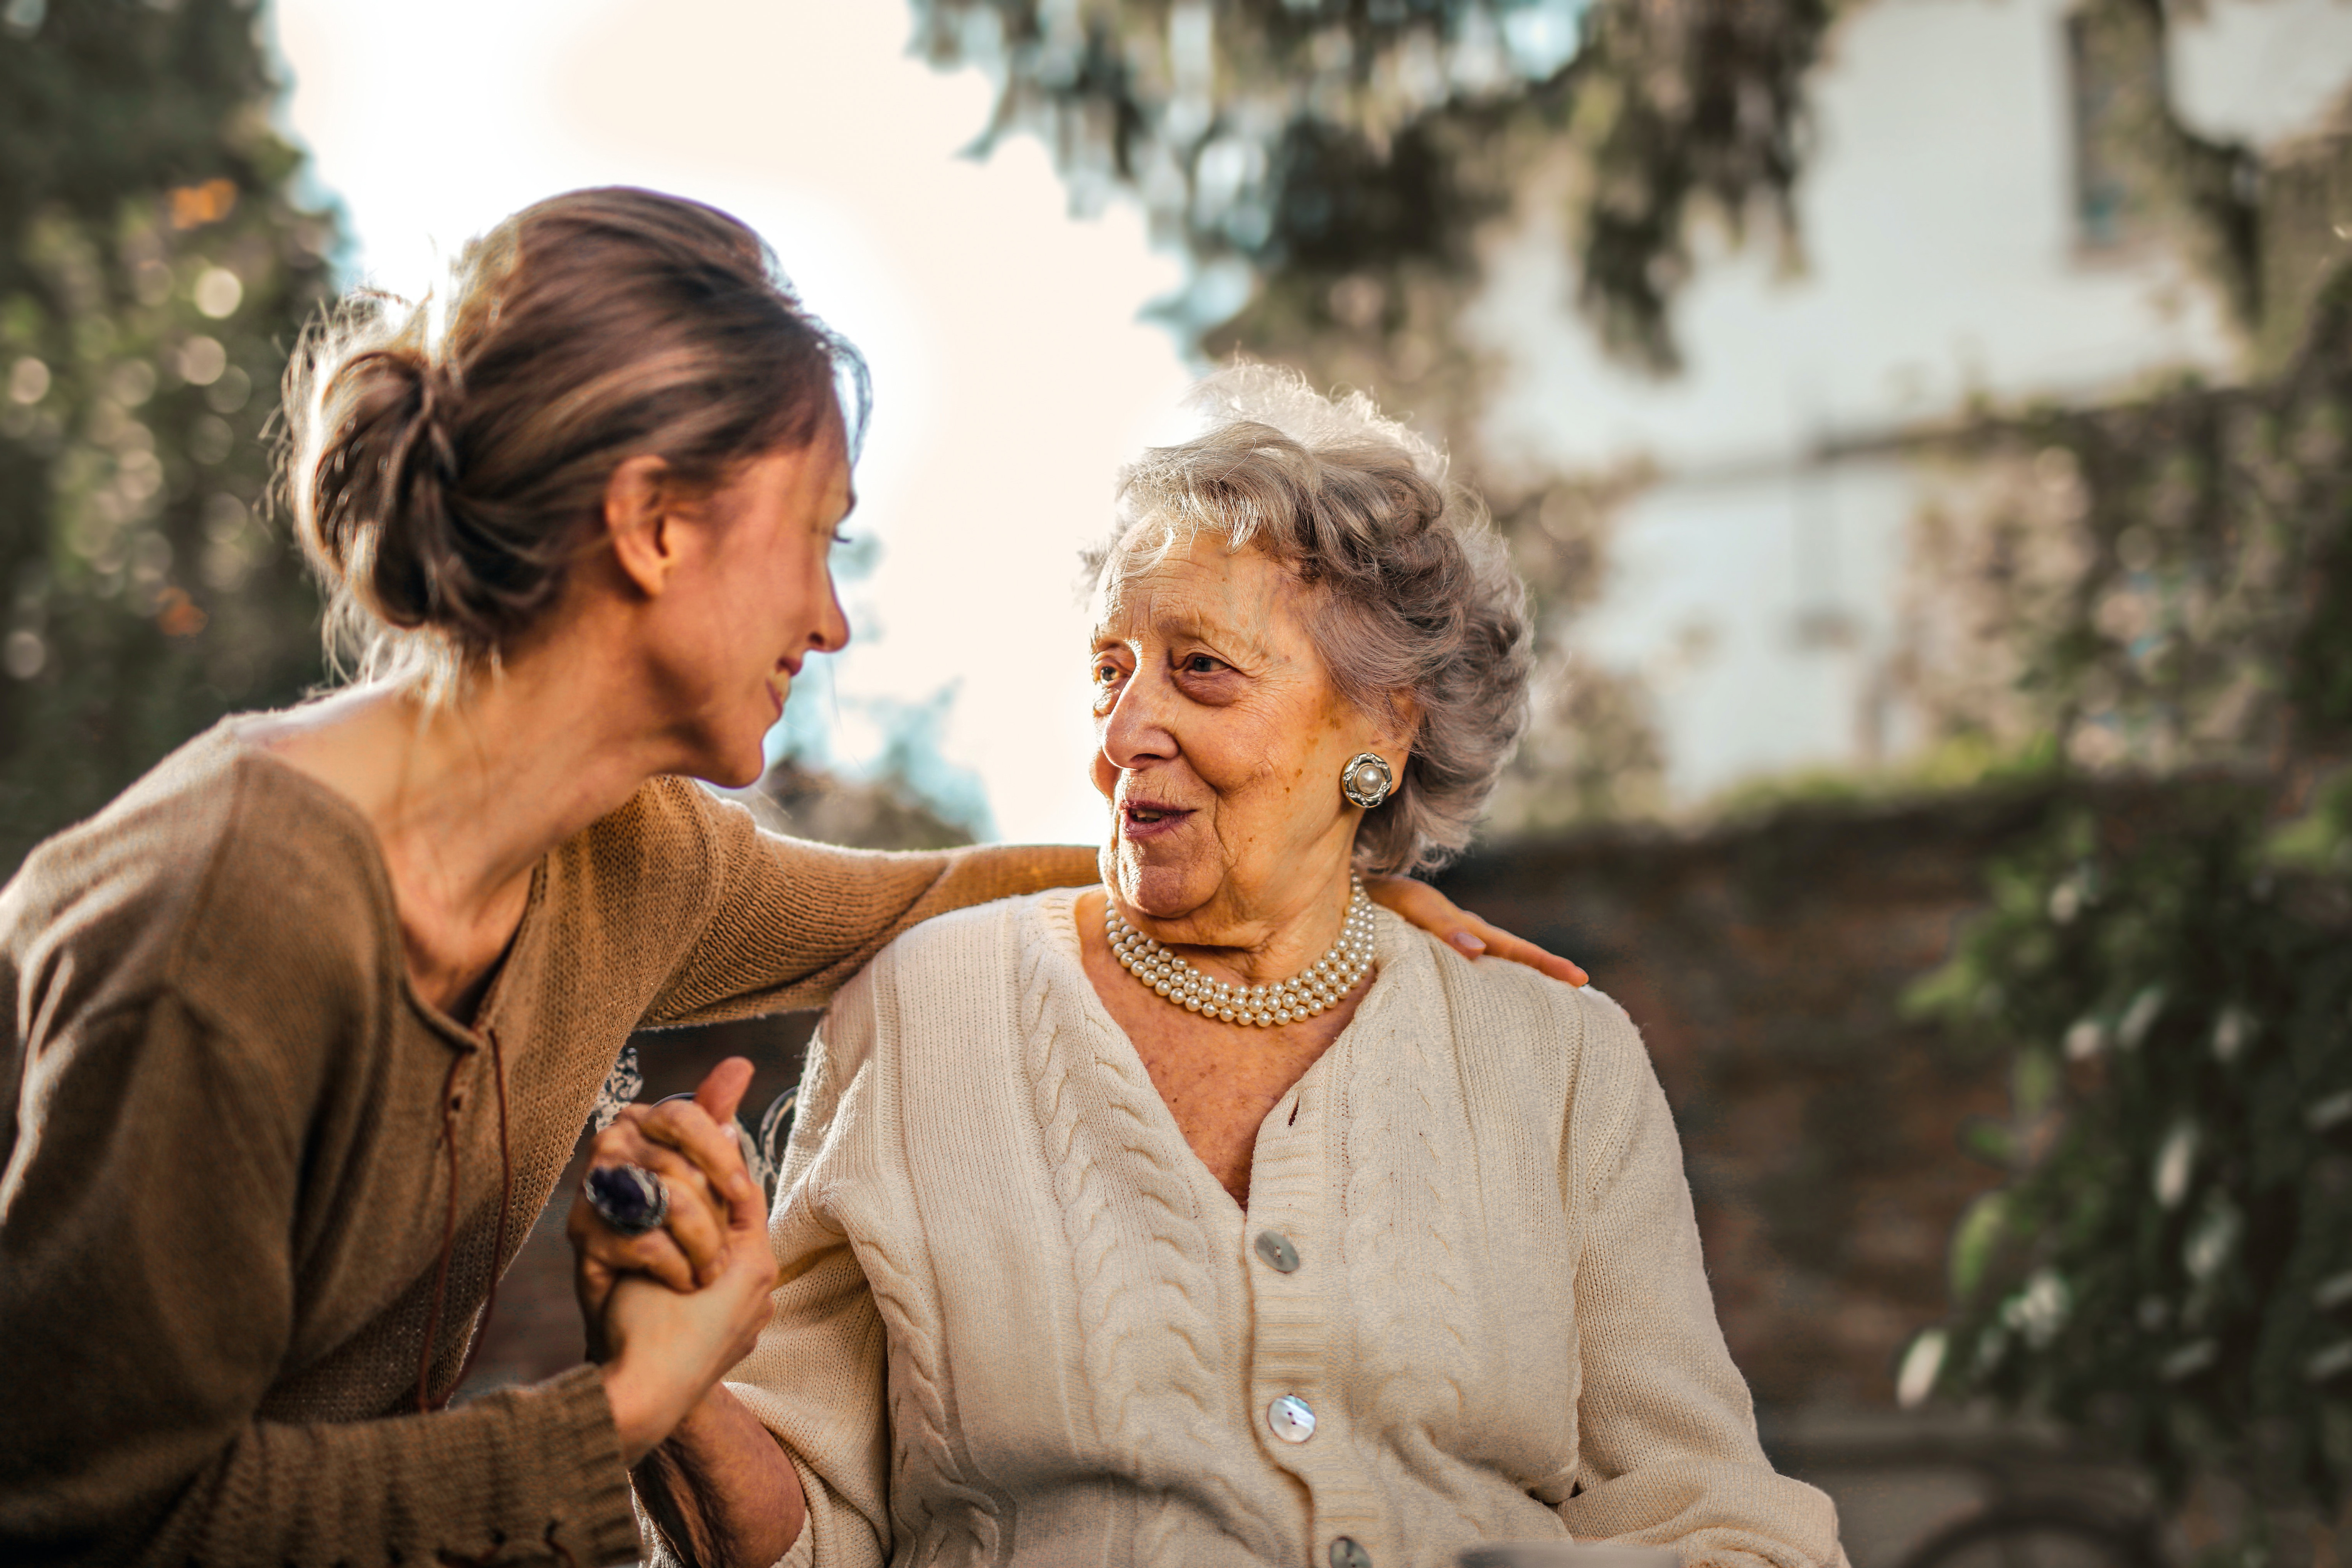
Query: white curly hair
1418, 597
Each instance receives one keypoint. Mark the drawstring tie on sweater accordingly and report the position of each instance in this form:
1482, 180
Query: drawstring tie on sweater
425, 1400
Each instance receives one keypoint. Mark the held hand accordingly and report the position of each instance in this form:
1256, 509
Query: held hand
665, 1340
1433, 912
691, 1148
665, 1351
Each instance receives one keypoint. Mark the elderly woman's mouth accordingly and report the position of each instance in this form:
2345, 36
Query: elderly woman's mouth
1144, 821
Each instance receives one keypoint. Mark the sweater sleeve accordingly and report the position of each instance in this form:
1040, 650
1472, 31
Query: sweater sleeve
817, 1376
1666, 1431
148, 1296
792, 919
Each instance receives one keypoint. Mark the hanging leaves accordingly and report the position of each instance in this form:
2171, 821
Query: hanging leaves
1331, 139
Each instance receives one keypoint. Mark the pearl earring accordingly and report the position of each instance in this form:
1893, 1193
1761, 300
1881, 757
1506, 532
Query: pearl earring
1366, 780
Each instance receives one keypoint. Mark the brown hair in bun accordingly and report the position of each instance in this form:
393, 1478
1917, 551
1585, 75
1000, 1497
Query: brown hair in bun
447, 465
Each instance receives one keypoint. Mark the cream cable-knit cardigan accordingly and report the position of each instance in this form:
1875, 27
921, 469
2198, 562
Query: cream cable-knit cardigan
1020, 1322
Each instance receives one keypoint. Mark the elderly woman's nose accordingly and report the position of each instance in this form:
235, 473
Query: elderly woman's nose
1136, 731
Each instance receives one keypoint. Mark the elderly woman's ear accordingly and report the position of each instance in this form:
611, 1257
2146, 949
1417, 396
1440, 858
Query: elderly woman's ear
1403, 727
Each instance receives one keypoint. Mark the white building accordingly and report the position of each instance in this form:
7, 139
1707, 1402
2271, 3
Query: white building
1955, 249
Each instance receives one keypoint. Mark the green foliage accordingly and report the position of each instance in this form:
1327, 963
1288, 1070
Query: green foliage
154, 269
2172, 1264
1318, 140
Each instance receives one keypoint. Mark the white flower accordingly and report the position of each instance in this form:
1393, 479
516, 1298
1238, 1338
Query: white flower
2039, 1310
1921, 1363
2174, 1162
2139, 1017
2232, 1032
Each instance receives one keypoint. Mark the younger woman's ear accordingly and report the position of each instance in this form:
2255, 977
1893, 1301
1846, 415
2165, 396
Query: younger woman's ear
639, 499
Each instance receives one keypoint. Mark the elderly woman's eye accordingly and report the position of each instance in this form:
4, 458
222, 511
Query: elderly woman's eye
1105, 672
1202, 664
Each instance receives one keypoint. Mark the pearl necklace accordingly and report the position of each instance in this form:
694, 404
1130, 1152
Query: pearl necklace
1315, 990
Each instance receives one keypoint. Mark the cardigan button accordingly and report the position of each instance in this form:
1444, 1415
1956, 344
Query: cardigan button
1279, 1254
1346, 1553
1292, 1418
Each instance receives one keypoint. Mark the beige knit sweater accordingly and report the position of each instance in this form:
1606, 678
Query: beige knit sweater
224, 1181
1021, 1322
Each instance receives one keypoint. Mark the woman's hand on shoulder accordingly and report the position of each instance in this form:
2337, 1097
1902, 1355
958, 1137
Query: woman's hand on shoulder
1423, 905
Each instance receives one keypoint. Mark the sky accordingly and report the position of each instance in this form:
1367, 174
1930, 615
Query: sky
1012, 371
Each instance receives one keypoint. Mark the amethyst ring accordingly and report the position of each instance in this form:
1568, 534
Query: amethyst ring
629, 1198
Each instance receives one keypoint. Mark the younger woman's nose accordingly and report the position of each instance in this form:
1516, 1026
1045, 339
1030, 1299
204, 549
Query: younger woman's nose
831, 633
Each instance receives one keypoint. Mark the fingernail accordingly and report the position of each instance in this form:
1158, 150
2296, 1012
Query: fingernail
1468, 943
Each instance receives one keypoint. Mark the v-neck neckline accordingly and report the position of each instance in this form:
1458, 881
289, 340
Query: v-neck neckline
387, 901
1069, 944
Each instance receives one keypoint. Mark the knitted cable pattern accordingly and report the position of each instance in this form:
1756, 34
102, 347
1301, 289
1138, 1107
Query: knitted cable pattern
1151, 1344
937, 1505
1402, 1202
1015, 1298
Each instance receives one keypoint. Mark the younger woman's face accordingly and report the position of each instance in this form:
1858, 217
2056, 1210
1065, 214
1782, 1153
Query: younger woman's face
754, 598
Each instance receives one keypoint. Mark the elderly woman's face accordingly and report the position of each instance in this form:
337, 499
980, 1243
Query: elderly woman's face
1222, 739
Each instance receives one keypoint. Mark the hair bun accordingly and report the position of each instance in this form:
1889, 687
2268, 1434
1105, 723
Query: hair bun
377, 519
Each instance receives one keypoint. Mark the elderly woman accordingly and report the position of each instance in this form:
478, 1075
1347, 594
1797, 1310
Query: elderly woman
1215, 1216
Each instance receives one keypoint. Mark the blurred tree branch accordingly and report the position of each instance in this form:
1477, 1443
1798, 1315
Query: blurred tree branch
1343, 137
1333, 169
1304, 142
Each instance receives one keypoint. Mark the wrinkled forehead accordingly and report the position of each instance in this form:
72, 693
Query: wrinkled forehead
1147, 546
1166, 571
